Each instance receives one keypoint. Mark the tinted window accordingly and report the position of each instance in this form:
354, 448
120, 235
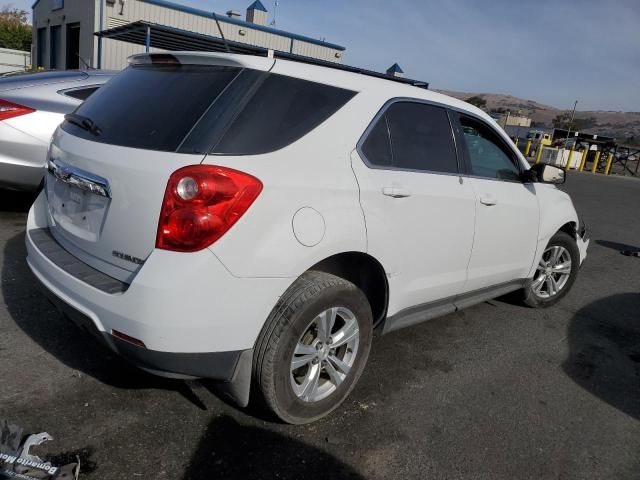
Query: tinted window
421, 139
206, 109
488, 155
377, 147
281, 111
152, 106
81, 93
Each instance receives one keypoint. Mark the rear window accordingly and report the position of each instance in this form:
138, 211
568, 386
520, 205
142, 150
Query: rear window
206, 109
152, 107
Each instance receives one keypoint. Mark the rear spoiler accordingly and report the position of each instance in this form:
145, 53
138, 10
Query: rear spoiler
203, 58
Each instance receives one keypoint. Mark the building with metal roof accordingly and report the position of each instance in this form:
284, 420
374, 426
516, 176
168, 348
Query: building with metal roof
64, 32
257, 5
395, 70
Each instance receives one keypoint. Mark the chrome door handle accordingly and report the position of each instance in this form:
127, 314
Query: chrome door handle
396, 192
488, 200
79, 178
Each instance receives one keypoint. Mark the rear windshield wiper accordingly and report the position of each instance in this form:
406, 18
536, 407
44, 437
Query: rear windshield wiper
83, 122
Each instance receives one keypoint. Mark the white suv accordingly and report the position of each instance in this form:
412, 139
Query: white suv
254, 220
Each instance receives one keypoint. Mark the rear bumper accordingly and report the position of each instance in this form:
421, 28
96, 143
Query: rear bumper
193, 316
217, 366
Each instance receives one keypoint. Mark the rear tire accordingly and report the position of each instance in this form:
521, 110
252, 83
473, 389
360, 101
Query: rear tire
555, 274
313, 347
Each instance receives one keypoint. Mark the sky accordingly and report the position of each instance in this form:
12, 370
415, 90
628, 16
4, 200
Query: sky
551, 51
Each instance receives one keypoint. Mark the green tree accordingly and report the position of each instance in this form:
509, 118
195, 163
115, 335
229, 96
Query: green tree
477, 101
564, 119
561, 120
15, 30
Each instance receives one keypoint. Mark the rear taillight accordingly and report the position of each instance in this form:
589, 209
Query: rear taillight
201, 203
10, 110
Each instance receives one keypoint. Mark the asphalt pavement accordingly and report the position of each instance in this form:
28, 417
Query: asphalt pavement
498, 391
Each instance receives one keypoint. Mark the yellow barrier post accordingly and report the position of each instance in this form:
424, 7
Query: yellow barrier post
527, 148
609, 162
539, 154
595, 161
585, 152
569, 160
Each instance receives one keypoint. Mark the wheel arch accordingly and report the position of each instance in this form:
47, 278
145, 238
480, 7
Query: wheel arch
570, 228
364, 271
566, 225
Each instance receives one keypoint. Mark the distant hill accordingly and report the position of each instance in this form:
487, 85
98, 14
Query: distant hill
624, 126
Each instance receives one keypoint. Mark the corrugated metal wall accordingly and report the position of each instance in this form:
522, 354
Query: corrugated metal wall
316, 51
115, 53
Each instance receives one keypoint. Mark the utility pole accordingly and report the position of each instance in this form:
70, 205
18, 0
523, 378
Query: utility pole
573, 113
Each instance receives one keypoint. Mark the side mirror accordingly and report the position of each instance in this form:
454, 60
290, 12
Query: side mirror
548, 173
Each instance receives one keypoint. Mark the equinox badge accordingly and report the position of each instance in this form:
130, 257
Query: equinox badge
127, 257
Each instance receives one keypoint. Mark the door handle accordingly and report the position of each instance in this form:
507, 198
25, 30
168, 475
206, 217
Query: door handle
396, 192
488, 199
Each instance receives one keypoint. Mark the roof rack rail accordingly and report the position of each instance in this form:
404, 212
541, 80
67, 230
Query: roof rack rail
348, 68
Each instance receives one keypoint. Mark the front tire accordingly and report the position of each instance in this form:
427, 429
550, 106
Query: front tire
313, 347
555, 273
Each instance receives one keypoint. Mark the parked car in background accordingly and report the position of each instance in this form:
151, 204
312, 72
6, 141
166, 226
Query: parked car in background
538, 137
32, 105
260, 218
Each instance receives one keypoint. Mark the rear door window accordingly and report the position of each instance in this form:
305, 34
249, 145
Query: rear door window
412, 136
377, 146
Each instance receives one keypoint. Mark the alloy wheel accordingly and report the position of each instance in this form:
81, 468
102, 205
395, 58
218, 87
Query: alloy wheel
553, 272
324, 354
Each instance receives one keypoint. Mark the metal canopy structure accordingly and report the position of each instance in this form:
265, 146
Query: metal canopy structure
583, 137
623, 155
175, 39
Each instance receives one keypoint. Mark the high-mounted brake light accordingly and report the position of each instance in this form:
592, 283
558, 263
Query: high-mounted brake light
163, 59
10, 110
201, 203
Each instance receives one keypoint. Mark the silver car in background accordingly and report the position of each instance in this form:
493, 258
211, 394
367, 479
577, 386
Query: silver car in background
31, 108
